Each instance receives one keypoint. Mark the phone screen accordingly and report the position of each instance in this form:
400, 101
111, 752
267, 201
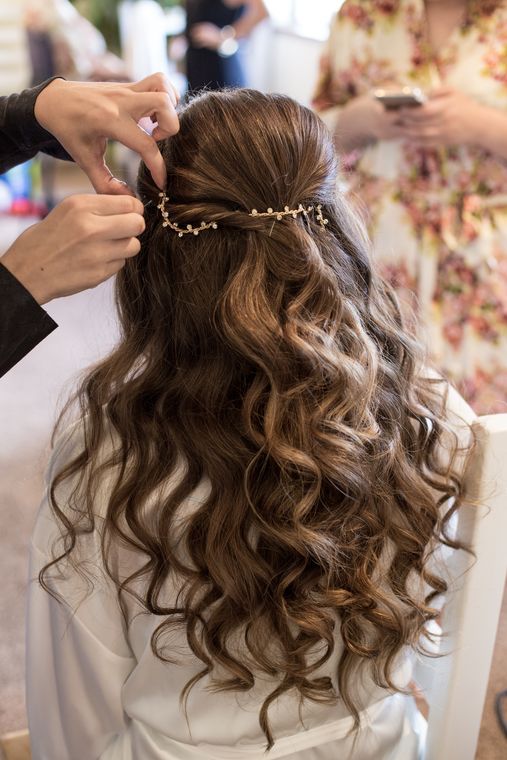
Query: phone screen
406, 98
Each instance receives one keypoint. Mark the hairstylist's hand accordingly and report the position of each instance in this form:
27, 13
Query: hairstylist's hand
448, 118
82, 116
83, 241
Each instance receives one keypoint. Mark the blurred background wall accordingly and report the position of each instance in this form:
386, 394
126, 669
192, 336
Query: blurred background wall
15, 69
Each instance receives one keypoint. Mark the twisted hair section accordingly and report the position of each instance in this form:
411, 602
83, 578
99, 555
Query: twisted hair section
269, 359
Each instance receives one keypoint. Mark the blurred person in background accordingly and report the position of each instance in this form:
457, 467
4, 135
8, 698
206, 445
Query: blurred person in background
214, 29
70, 43
432, 178
62, 42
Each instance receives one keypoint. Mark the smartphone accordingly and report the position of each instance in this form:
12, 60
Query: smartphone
408, 97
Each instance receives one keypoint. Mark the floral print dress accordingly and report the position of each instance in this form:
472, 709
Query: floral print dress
437, 217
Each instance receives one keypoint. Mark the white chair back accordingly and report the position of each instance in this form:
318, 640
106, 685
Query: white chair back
455, 685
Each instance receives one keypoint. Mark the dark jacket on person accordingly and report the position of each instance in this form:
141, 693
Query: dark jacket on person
208, 69
23, 324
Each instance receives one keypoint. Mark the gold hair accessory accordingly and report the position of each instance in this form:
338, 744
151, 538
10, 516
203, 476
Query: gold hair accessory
294, 212
175, 226
278, 215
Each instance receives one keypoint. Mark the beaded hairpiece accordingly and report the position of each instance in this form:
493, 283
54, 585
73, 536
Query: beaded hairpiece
278, 215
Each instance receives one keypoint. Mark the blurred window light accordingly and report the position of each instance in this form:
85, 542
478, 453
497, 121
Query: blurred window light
308, 19
281, 12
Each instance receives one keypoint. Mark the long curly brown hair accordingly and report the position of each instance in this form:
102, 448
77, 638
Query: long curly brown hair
270, 359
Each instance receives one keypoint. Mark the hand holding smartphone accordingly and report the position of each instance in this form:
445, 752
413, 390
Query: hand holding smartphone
407, 97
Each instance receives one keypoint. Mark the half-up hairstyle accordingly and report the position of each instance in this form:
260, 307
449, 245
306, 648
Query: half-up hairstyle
269, 358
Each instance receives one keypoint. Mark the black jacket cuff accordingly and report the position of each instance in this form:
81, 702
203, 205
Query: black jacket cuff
23, 323
21, 135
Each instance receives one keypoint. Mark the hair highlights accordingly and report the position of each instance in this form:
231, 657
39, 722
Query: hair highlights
269, 359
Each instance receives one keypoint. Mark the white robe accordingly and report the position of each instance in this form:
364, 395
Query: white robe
95, 689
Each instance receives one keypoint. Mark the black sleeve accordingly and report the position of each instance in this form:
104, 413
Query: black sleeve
23, 324
21, 135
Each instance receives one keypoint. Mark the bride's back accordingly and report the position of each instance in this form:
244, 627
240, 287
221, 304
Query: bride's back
263, 365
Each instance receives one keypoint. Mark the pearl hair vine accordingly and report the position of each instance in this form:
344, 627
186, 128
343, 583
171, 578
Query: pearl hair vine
174, 226
270, 213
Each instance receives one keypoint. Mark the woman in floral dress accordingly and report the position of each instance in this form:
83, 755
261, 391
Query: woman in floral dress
432, 179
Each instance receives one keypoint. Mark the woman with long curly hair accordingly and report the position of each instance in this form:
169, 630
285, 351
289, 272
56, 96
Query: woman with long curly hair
237, 547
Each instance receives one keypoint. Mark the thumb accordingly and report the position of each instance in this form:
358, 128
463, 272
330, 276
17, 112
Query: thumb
101, 177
